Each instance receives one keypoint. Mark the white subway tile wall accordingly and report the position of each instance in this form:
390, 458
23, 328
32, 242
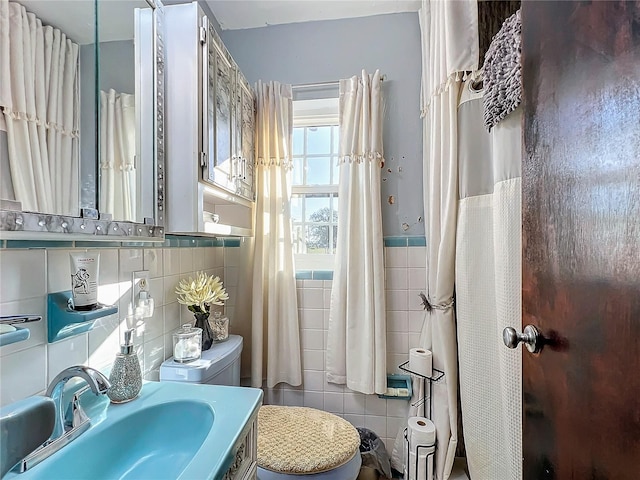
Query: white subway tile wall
405, 279
28, 275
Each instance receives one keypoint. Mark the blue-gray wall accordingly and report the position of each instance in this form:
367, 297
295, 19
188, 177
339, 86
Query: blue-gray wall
333, 49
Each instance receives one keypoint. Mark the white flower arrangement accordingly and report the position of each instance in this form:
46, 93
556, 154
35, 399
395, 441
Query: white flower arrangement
200, 293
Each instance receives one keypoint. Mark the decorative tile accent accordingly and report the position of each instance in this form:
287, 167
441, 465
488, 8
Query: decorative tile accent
416, 241
231, 242
323, 274
395, 241
39, 244
83, 244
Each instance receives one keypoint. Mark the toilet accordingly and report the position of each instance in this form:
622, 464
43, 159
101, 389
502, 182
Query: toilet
220, 365
300, 443
294, 443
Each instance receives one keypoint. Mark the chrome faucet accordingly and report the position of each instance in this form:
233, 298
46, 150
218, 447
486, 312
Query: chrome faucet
98, 383
70, 422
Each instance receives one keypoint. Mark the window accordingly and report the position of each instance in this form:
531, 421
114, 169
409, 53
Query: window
314, 201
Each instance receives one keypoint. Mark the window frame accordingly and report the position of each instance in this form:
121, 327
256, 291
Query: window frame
315, 113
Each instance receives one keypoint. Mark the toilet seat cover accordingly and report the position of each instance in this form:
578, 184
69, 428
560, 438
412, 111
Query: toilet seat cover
303, 440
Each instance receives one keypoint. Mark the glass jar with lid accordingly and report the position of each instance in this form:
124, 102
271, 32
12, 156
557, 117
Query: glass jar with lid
187, 344
220, 327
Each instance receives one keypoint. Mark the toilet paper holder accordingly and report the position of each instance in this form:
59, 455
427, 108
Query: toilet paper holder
436, 376
430, 456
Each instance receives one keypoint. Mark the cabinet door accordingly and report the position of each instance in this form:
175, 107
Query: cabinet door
219, 110
244, 464
246, 121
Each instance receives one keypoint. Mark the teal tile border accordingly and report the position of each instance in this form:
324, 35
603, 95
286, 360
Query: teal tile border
38, 244
231, 242
314, 275
415, 241
185, 241
395, 241
135, 244
170, 241
81, 244
323, 274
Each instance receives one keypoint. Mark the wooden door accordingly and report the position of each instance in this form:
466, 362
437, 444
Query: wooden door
581, 239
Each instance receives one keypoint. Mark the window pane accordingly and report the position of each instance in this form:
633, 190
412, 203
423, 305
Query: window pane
318, 171
336, 139
298, 171
296, 208
298, 141
317, 238
318, 140
317, 208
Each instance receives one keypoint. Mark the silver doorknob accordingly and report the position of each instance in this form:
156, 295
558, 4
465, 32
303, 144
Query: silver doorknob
530, 337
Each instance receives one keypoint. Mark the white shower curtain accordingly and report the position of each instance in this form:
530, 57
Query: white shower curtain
356, 340
449, 46
117, 155
488, 290
39, 101
275, 336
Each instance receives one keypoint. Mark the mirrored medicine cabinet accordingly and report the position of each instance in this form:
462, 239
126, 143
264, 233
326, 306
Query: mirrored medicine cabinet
82, 119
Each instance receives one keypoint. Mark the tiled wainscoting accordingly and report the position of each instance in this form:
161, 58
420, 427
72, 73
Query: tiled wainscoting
31, 270
405, 278
28, 274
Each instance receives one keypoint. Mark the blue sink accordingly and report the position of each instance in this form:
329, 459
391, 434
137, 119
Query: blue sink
171, 431
146, 444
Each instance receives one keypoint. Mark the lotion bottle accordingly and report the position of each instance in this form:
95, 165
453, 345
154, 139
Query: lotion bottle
126, 377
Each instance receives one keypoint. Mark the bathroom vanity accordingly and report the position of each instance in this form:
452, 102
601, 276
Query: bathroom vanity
171, 430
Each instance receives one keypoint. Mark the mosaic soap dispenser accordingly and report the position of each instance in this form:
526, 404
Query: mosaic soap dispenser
126, 377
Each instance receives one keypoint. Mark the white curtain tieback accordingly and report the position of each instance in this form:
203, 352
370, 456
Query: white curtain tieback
430, 305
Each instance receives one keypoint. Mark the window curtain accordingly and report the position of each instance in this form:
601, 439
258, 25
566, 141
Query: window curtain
449, 32
356, 342
39, 101
275, 336
117, 155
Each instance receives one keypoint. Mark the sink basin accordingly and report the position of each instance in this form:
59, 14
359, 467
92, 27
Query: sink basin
171, 431
146, 444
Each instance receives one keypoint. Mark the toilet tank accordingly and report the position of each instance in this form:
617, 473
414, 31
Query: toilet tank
220, 365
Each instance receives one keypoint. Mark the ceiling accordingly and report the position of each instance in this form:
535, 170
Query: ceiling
239, 14
76, 17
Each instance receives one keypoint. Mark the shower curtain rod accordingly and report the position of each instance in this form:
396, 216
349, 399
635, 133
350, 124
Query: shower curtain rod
326, 84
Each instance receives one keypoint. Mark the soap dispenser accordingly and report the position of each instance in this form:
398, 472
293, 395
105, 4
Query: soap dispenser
126, 377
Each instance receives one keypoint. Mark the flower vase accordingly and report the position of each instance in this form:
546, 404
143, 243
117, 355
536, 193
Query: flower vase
202, 321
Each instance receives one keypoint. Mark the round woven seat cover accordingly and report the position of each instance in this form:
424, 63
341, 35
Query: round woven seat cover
303, 440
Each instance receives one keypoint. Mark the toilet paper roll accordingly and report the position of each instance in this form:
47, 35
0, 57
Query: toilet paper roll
421, 431
421, 361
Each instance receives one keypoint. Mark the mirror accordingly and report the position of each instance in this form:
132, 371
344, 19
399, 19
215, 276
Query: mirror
81, 133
